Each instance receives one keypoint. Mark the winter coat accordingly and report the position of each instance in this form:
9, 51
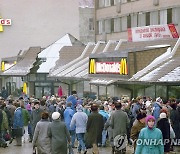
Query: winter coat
4, 125
156, 110
119, 123
175, 121
35, 117
95, 125
79, 120
18, 118
135, 130
59, 136
26, 117
68, 114
146, 144
41, 138
164, 126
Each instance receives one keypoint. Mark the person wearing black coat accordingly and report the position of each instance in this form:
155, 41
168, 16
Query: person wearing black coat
164, 125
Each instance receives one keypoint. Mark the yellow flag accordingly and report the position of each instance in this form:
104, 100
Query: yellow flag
1, 28
24, 88
2, 66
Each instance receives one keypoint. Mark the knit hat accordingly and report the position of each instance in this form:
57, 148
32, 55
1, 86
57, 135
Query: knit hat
79, 107
162, 115
149, 117
55, 115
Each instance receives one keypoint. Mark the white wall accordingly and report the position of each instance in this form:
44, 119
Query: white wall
36, 23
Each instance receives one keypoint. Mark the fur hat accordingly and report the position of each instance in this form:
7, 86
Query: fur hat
159, 99
162, 115
79, 107
55, 115
149, 117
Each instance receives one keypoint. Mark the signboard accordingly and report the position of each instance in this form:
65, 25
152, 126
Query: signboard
152, 32
108, 67
4, 22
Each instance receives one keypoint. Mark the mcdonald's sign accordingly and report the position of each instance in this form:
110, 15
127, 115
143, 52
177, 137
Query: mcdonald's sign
98, 67
92, 67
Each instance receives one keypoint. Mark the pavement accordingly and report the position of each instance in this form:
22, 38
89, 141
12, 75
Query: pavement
26, 148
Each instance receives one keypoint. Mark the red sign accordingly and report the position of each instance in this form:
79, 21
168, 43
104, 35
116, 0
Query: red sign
152, 32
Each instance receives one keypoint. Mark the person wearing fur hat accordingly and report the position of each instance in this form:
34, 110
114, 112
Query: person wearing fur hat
164, 125
150, 140
137, 126
59, 135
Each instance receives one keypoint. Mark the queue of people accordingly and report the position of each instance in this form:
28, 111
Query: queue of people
54, 124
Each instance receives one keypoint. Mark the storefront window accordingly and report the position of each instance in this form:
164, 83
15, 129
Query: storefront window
174, 92
102, 92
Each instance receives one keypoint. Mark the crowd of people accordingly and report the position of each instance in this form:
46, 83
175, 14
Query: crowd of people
54, 124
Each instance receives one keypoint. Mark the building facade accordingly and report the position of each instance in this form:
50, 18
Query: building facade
114, 17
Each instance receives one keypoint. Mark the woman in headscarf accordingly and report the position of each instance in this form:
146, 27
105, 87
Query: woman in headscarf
150, 139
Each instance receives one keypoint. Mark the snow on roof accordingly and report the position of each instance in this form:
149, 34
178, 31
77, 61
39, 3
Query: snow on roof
51, 53
174, 75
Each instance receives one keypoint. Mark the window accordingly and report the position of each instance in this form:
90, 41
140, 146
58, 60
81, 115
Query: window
117, 23
100, 27
141, 19
108, 25
169, 16
107, 3
124, 23
116, 1
101, 3
163, 17
147, 18
154, 18
91, 24
134, 20
129, 21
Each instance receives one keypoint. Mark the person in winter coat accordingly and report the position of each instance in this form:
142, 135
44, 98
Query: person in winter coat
18, 123
119, 122
68, 114
157, 108
104, 132
35, 115
95, 125
79, 120
150, 140
41, 140
59, 135
164, 125
137, 126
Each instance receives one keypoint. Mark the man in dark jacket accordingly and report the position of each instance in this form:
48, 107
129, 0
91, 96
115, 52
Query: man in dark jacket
95, 125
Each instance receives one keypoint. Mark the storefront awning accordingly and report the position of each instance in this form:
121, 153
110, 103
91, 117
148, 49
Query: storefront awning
23, 67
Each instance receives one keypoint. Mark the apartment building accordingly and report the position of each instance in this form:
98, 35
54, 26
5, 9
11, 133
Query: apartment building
114, 17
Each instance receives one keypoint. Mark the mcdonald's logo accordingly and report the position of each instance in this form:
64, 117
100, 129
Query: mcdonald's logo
92, 67
123, 67
2, 66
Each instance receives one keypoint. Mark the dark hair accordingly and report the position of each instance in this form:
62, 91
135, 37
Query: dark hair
94, 107
44, 115
118, 105
42, 102
141, 115
101, 107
